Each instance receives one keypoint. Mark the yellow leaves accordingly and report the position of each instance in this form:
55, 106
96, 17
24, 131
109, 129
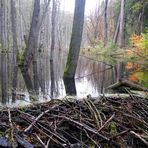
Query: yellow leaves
139, 46
140, 42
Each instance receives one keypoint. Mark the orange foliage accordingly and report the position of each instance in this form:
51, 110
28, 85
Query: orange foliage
132, 66
136, 39
133, 78
129, 65
134, 51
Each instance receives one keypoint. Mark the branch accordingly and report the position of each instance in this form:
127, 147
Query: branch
86, 127
138, 136
37, 118
43, 16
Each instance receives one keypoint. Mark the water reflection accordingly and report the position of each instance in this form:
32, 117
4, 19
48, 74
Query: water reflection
91, 78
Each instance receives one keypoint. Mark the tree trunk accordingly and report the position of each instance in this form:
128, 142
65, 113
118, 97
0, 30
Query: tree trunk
15, 49
52, 73
4, 88
122, 23
105, 24
31, 49
116, 30
74, 49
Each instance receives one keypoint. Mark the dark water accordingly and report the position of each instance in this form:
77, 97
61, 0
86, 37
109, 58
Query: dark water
91, 79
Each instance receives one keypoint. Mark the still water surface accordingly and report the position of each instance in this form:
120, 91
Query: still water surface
91, 78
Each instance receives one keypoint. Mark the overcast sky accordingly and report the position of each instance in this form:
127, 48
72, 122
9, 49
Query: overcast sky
68, 5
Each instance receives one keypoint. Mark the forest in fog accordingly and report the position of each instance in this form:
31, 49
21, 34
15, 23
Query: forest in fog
40, 43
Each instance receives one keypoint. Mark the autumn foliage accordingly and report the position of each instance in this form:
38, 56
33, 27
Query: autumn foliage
138, 55
138, 52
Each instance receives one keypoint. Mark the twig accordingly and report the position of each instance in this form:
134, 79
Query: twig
120, 134
92, 139
107, 122
37, 118
40, 140
83, 126
138, 136
12, 128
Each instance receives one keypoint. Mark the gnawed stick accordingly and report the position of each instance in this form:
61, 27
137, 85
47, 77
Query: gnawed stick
86, 127
138, 136
40, 140
12, 128
37, 118
107, 122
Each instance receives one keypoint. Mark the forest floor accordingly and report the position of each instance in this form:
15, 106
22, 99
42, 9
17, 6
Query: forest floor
70, 123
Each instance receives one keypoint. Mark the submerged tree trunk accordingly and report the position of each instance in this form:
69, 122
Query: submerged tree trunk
74, 49
30, 49
15, 49
119, 37
4, 88
52, 73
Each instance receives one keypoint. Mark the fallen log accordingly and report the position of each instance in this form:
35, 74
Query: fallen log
127, 83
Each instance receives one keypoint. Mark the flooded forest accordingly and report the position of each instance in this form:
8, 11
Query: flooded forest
73, 66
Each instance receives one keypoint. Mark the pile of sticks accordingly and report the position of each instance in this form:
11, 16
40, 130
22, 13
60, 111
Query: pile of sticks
71, 123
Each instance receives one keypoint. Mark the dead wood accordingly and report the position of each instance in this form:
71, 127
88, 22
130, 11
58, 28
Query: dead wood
127, 83
110, 121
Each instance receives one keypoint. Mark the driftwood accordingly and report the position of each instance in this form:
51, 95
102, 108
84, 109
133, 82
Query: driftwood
107, 122
129, 84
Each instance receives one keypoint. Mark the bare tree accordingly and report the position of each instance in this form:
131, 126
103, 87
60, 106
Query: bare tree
105, 24
115, 37
15, 49
122, 23
74, 49
4, 88
31, 48
52, 75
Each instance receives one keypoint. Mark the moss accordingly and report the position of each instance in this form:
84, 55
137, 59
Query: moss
68, 65
20, 57
4, 50
34, 98
2, 133
113, 128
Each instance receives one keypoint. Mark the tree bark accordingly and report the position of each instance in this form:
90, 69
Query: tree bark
105, 24
4, 88
52, 74
122, 23
30, 50
15, 49
74, 49
116, 30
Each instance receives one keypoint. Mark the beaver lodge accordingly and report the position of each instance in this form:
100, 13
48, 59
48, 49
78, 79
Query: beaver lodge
70, 123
